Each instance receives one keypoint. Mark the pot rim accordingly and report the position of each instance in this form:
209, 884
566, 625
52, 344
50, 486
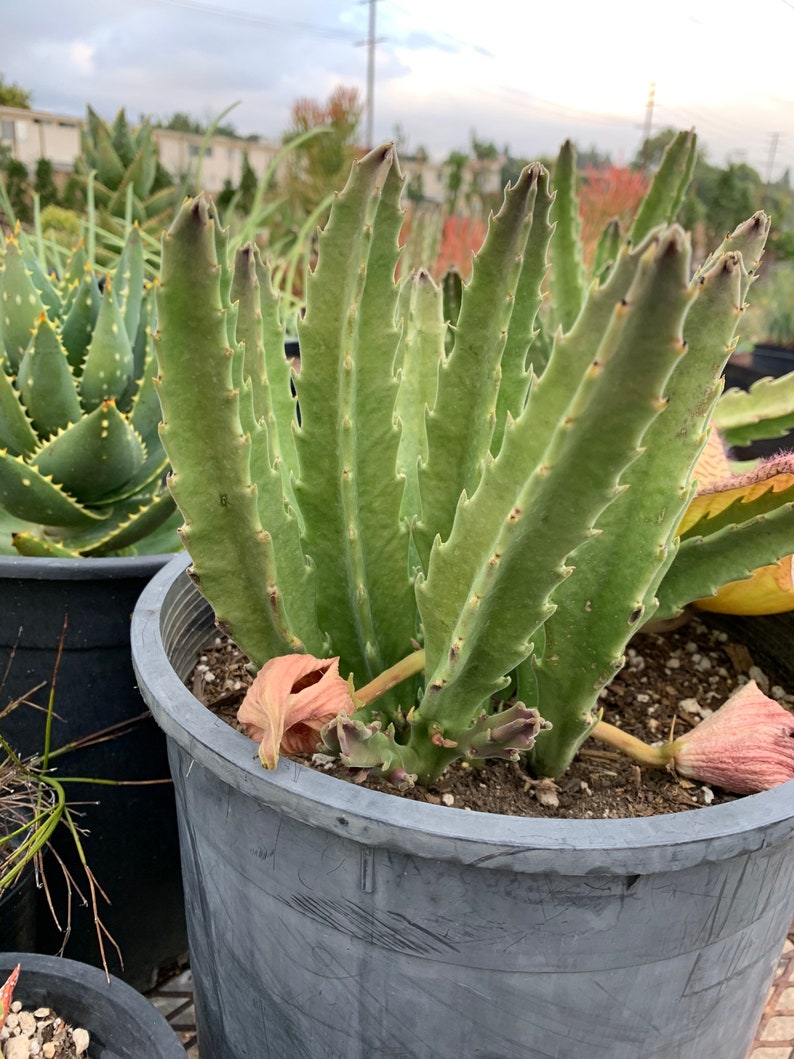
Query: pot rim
44, 568
638, 845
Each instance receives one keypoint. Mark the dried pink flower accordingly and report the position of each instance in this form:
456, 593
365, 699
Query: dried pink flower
745, 747
291, 699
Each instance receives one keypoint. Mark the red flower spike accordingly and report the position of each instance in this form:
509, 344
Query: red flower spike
291, 699
745, 747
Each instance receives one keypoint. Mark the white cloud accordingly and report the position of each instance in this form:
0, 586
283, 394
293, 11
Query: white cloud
526, 75
82, 56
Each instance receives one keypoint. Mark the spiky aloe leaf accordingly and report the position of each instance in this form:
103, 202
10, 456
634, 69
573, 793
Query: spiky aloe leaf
143, 362
490, 586
21, 304
132, 526
94, 456
42, 547
348, 490
143, 169
81, 319
122, 139
129, 281
16, 433
46, 383
136, 523
109, 362
104, 157
41, 281
74, 273
26, 494
664, 197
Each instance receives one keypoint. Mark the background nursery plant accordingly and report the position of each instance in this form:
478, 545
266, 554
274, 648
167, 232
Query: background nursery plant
81, 465
474, 536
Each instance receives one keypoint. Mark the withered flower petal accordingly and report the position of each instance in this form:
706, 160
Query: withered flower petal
745, 746
291, 699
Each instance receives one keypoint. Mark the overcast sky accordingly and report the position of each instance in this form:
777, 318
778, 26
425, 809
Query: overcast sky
525, 74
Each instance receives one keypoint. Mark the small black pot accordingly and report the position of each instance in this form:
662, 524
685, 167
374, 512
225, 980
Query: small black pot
131, 843
121, 1023
773, 360
18, 913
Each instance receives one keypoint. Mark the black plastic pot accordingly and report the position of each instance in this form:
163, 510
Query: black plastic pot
18, 913
132, 844
121, 1023
772, 360
330, 920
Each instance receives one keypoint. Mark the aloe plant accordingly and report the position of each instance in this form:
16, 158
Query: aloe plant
130, 184
81, 465
491, 521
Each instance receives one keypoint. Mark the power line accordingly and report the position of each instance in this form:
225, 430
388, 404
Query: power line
278, 24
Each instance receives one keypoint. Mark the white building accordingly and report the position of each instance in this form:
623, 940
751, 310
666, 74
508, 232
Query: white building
35, 134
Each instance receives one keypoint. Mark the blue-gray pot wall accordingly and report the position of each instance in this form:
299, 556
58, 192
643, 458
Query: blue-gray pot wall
132, 843
330, 921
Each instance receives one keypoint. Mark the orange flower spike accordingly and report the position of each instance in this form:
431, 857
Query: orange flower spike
6, 995
746, 746
291, 699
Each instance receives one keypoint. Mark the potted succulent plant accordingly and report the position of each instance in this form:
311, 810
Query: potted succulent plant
85, 520
100, 1015
446, 560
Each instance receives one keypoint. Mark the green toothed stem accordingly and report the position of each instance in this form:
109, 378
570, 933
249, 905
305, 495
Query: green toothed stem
420, 356
492, 583
232, 553
596, 616
664, 197
348, 488
515, 376
566, 274
469, 379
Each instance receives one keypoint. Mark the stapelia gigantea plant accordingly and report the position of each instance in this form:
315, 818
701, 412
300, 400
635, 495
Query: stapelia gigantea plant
81, 464
517, 525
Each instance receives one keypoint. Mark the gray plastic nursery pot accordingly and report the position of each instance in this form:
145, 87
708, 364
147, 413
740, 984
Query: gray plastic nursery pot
121, 1023
329, 920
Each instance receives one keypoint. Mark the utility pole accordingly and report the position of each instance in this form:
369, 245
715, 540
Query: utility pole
370, 43
770, 163
646, 129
